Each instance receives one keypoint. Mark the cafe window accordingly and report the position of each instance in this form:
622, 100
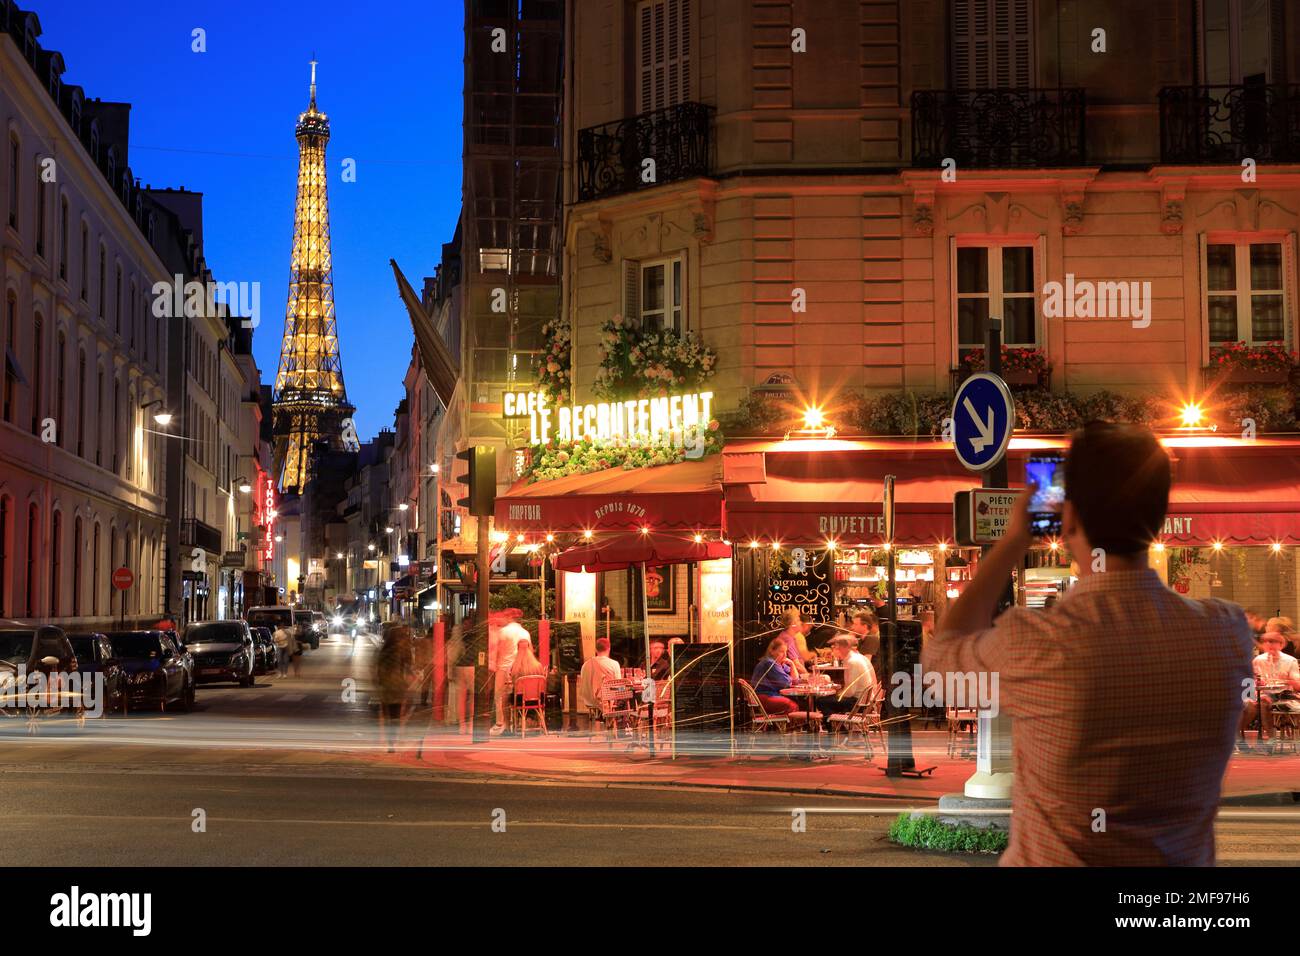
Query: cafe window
998, 281
654, 294
1245, 291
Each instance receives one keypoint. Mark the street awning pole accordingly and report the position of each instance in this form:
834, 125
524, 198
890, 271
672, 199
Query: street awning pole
645, 627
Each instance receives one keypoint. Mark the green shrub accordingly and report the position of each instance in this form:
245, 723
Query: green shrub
925, 832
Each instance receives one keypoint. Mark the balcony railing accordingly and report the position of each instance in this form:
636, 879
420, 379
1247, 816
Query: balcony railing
995, 128
197, 534
1226, 124
611, 158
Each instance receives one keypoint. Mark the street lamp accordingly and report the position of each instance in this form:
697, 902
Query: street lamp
162, 416
242, 484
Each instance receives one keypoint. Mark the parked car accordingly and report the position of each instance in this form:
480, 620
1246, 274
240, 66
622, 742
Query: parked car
223, 651
158, 672
95, 656
305, 629
270, 616
267, 654
45, 649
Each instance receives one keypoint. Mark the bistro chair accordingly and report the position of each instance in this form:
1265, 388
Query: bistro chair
760, 721
617, 705
863, 719
1284, 728
663, 710
530, 692
961, 720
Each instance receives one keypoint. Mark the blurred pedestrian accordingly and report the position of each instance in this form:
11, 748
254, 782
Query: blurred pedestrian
392, 680
285, 645
509, 637
1084, 739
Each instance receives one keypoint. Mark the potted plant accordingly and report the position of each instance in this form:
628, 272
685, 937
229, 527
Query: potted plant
1239, 363
1020, 365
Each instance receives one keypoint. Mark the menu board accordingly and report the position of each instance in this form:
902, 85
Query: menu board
702, 699
797, 579
566, 638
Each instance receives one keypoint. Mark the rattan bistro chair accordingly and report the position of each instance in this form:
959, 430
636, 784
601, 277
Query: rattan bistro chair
863, 719
617, 705
530, 692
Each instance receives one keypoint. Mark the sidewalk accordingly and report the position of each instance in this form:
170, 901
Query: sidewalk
580, 758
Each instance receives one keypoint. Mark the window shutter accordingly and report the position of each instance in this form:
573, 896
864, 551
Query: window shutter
1277, 41
663, 52
1012, 26
992, 44
632, 292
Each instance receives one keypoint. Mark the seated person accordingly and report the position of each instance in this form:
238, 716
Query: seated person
867, 630
593, 674
526, 665
659, 662
795, 637
771, 674
859, 676
1277, 679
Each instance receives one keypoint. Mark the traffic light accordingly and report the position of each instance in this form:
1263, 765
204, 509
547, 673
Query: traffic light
480, 478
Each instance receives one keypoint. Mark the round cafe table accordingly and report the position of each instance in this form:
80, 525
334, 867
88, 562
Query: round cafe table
811, 693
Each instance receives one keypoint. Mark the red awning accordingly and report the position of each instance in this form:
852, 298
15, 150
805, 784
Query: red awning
686, 496
632, 550
806, 492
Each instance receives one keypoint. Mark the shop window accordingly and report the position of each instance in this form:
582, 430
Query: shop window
1245, 292
998, 281
654, 294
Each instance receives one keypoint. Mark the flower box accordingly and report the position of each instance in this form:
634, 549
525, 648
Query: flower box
1253, 376
1020, 376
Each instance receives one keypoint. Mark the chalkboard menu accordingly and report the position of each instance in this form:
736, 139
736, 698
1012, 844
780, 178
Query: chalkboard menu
702, 697
566, 638
798, 579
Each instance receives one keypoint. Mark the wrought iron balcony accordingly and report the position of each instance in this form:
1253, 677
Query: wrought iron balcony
1226, 124
611, 158
197, 534
993, 128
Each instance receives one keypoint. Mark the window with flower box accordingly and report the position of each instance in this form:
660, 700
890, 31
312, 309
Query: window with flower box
654, 294
1246, 291
998, 280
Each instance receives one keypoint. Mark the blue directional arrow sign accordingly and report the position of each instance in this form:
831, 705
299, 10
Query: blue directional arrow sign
984, 416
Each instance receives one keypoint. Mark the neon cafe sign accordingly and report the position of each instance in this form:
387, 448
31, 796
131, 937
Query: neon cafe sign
636, 418
268, 519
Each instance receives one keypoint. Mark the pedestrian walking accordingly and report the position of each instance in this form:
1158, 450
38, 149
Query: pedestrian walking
284, 647
1100, 724
392, 680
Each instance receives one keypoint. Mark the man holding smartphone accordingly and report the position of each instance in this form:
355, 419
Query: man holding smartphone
1126, 695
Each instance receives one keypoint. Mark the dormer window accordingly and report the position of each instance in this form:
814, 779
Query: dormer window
76, 115
94, 142
149, 230
111, 165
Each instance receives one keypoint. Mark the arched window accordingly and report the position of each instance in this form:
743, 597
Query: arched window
11, 343
111, 167
33, 543
117, 301
78, 557
94, 141
132, 316
81, 404
115, 438
128, 560
6, 509
42, 199
94, 572
103, 278
63, 237
61, 379
99, 416
38, 372
85, 263
15, 149
56, 560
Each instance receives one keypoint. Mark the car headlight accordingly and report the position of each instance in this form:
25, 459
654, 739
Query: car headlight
338, 621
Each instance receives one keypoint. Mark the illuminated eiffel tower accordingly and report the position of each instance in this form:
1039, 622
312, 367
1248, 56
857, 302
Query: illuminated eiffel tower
310, 403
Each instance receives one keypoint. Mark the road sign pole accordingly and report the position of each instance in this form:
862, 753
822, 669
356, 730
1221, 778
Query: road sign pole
993, 775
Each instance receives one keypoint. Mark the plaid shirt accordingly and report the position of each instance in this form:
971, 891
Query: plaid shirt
1127, 698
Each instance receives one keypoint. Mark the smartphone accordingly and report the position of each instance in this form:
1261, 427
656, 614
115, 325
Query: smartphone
1047, 472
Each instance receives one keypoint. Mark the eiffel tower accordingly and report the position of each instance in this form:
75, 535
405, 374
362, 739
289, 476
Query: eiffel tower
310, 403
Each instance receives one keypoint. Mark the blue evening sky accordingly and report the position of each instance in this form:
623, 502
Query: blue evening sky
222, 122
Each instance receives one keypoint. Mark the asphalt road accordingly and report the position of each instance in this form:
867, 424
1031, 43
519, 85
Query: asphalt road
245, 780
